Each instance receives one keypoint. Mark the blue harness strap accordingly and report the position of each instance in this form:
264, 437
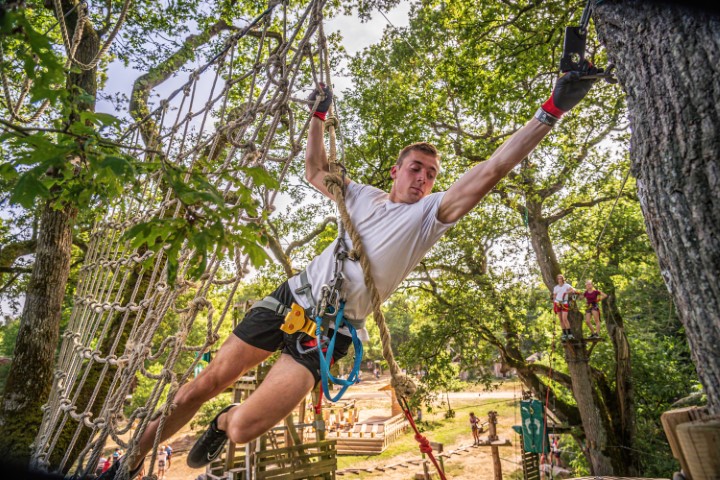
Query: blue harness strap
327, 357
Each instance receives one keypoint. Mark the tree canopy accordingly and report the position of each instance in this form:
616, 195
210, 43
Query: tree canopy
464, 75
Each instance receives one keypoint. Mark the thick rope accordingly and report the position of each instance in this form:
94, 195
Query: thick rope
403, 384
335, 183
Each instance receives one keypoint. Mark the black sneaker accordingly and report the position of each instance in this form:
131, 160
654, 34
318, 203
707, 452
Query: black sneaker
563, 337
112, 472
210, 444
570, 337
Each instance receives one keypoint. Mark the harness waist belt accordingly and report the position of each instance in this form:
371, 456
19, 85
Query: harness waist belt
272, 303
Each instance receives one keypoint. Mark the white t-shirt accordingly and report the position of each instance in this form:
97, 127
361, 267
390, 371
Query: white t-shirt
560, 292
395, 236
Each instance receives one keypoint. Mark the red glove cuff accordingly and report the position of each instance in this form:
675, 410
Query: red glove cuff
549, 107
320, 115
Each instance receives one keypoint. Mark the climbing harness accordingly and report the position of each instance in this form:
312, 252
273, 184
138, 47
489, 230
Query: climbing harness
574, 48
332, 305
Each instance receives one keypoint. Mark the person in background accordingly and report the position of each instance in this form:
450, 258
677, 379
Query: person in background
168, 450
475, 426
107, 464
561, 306
593, 297
161, 462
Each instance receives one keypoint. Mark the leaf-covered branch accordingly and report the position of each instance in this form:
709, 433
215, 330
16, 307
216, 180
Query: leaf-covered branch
319, 229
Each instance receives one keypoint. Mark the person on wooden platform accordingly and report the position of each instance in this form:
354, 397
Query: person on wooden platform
593, 297
561, 306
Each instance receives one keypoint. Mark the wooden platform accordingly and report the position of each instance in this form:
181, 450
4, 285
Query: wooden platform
307, 461
602, 477
369, 437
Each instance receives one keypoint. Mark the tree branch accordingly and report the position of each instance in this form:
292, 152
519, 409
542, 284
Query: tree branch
12, 251
306, 239
15, 270
145, 83
277, 250
572, 207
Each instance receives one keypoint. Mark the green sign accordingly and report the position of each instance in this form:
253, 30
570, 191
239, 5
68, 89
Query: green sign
534, 436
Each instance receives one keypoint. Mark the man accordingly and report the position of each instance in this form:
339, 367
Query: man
397, 228
168, 450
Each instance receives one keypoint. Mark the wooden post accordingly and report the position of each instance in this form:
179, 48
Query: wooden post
492, 437
249, 459
438, 447
321, 421
426, 470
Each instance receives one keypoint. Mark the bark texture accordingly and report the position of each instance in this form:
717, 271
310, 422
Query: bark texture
31, 374
668, 60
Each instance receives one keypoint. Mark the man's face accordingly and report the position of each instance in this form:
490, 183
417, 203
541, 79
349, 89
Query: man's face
414, 178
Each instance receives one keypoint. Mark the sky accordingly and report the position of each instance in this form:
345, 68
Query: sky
356, 36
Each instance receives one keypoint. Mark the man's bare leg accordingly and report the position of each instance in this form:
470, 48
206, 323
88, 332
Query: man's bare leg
234, 358
285, 386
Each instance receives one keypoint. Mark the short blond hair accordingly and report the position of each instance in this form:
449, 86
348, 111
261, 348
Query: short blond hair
424, 147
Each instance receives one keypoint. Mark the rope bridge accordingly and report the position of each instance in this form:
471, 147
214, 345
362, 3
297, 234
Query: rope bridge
235, 113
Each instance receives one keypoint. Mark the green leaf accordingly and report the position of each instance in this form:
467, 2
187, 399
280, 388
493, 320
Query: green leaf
260, 176
118, 165
99, 118
28, 189
8, 172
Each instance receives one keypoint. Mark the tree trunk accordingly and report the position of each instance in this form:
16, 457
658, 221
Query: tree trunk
31, 373
542, 245
624, 421
593, 410
598, 420
666, 58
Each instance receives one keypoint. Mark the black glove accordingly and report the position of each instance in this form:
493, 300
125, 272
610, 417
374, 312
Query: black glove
569, 89
323, 106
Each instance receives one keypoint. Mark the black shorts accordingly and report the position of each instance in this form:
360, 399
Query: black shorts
592, 307
261, 329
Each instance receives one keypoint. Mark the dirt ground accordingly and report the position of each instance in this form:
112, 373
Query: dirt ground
473, 464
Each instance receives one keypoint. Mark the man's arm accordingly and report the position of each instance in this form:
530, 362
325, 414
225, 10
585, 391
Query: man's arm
469, 189
316, 162
467, 192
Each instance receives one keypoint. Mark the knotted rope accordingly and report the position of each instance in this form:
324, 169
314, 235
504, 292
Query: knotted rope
425, 446
403, 384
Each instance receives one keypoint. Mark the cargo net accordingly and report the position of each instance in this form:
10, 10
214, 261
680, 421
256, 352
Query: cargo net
241, 113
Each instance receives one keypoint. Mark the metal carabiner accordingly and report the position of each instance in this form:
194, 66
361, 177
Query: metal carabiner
322, 303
